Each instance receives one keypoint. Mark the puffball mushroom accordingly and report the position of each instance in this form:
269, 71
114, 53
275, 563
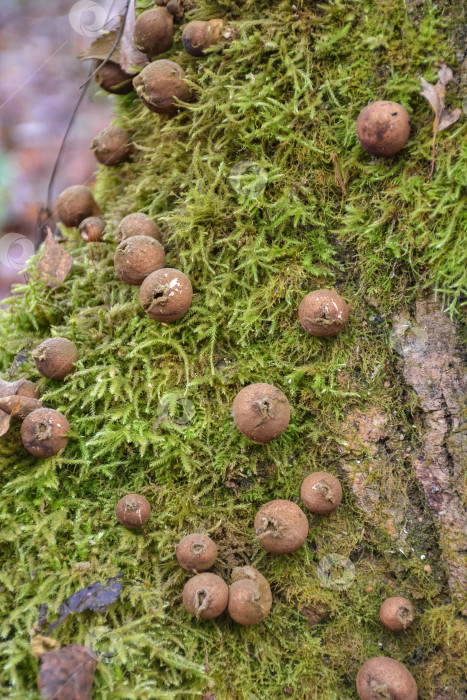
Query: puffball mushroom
261, 412
43, 432
382, 678
198, 36
55, 357
250, 597
136, 257
281, 526
396, 613
383, 128
323, 313
206, 596
112, 78
160, 84
92, 229
133, 511
196, 552
153, 33
321, 492
166, 295
137, 224
75, 204
111, 146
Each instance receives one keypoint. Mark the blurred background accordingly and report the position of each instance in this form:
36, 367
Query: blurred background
40, 78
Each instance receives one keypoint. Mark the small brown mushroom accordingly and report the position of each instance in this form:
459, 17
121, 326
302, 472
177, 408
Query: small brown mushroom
321, 492
396, 613
44, 432
112, 146
75, 204
383, 128
137, 224
166, 295
136, 257
92, 229
133, 511
261, 412
112, 78
323, 313
206, 596
250, 597
196, 552
153, 33
382, 678
281, 526
55, 357
160, 85
198, 36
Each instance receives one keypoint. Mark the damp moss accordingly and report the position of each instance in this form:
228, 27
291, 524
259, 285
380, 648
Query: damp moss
150, 406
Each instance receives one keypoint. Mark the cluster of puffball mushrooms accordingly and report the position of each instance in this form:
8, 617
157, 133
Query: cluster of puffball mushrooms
260, 411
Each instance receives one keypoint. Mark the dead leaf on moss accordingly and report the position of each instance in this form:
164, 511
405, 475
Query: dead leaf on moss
67, 673
55, 262
97, 596
101, 48
19, 406
435, 96
130, 57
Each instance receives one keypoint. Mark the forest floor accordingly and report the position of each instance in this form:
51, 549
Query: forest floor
379, 405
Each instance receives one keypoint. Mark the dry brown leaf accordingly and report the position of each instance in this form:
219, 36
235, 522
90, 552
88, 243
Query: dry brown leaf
67, 673
55, 262
435, 96
130, 57
101, 48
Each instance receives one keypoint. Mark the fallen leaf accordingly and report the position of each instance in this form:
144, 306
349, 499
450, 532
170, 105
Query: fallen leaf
96, 596
130, 57
55, 262
5, 420
435, 96
101, 48
67, 673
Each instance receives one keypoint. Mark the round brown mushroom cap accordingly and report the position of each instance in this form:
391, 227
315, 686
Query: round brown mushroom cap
133, 511
28, 389
55, 357
383, 128
75, 204
396, 613
137, 224
43, 432
246, 605
323, 313
153, 33
261, 412
166, 295
321, 492
136, 257
206, 596
249, 604
198, 36
196, 552
281, 526
160, 84
92, 229
112, 78
382, 677
111, 146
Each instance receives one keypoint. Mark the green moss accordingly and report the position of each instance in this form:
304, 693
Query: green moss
285, 96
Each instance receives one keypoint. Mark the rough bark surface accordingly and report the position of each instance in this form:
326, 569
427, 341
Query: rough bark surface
434, 366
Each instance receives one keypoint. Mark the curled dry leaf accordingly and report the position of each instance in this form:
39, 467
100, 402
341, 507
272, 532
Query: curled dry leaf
435, 96
130, 57
96, 596
67, 673
55, 262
